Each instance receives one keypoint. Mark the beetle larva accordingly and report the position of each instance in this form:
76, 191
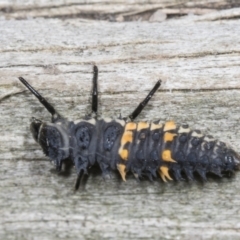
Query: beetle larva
143, 148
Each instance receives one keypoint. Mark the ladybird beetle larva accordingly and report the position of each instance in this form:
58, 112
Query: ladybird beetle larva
143, 148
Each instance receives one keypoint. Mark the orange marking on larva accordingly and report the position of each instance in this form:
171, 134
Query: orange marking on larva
127, 137
168, 137
169, 126
155, 126
162, 176
166, 156
164, 170
130, 126
122, 170
142, 125
123, 154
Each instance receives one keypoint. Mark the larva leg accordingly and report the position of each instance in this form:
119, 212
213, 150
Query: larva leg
78, 180
95, 90
55, 116
140, 107
81, 180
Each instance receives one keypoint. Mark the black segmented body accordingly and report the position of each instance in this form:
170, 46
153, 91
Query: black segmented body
142, 148
101, 141
95, 141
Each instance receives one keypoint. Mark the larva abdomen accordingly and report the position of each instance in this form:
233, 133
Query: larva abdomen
171, 150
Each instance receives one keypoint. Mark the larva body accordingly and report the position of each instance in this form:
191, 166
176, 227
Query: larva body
143, 148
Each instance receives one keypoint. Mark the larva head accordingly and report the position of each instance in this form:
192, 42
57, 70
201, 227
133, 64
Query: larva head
52, 137
51, 140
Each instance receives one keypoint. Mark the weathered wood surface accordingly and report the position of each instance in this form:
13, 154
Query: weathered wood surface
197, 59
120, 10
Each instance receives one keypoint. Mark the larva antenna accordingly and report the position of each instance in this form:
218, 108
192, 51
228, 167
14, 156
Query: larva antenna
42, 100
95, 90
140, 107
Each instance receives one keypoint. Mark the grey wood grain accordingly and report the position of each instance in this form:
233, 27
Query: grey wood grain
198, 62
121, 10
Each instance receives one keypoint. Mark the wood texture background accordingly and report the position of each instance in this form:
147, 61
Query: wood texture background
193, 46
